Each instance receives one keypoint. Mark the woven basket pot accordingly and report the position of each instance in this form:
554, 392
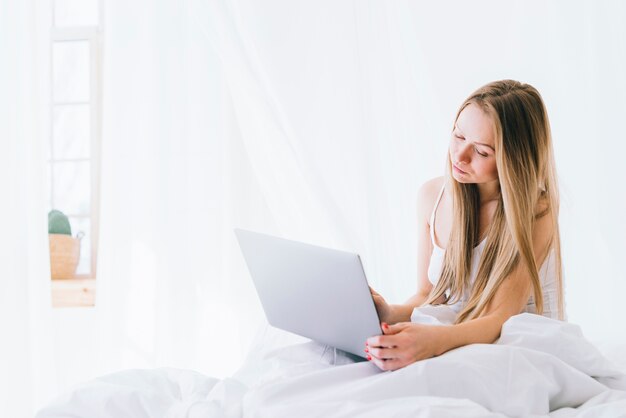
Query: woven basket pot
64, 256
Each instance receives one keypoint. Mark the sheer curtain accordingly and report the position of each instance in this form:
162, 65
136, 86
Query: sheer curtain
26, 363
200, 138
319, 121
168, 292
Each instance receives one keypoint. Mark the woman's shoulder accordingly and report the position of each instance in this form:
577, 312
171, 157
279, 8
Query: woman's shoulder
426, 196
432, 186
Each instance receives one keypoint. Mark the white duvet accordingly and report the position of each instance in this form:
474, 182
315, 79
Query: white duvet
538, 367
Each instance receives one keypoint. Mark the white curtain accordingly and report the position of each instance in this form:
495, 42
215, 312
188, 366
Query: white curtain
27, 366
199, 139
319, 121
315, 121
175, 179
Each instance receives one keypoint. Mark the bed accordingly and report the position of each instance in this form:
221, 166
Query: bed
538, 367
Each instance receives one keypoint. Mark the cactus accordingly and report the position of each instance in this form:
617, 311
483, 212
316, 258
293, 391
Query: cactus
58, 223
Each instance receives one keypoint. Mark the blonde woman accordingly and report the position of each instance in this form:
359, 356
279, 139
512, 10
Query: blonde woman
488, 234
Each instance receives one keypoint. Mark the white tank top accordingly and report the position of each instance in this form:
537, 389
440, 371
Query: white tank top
547, 272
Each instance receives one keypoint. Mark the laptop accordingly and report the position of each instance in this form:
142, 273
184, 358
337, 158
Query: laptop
316, 292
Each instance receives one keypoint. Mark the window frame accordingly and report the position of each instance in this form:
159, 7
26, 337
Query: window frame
91, 34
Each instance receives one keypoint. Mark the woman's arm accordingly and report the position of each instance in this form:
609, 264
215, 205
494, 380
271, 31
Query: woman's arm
406, 342
402, 312
509, 300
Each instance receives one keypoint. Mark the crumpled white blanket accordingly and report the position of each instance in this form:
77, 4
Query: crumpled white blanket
538, 367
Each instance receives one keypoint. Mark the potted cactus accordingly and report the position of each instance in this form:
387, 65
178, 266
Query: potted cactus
64, 250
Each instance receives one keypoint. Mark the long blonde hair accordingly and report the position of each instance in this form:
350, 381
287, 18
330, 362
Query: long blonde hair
527, 175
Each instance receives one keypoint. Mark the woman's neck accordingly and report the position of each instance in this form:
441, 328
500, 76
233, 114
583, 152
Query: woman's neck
488, 191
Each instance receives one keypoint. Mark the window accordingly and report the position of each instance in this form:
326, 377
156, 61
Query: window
74, 149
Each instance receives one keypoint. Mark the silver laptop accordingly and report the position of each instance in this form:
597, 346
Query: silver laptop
312, 291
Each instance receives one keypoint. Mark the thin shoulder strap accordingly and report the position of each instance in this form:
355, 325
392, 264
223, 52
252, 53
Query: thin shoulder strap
432, 215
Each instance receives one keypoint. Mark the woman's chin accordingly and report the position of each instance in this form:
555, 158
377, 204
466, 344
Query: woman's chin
461, 178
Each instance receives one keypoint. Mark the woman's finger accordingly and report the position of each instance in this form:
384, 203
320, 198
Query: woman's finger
387, 365
393, 329
381, 341
383, 353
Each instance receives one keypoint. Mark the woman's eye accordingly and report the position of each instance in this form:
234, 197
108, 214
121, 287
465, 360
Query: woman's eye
480, 153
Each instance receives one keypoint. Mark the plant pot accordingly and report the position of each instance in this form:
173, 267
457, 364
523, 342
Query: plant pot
64, 256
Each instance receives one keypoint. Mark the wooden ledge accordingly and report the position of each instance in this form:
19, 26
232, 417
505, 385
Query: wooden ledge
67, 293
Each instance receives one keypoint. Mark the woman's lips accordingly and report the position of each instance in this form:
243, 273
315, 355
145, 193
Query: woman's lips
458, 169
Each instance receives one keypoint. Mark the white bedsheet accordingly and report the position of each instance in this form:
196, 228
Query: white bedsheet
538, 367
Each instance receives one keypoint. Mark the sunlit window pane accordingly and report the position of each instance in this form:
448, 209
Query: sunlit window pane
83, 225
75, 13
71, 187
70, 65
71, 131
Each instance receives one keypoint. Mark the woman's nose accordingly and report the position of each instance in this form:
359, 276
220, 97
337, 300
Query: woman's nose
462, 154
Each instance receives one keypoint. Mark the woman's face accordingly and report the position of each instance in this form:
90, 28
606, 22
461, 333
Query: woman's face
472, 147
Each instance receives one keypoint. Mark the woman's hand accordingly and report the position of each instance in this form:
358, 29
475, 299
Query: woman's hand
382, 307
405, 343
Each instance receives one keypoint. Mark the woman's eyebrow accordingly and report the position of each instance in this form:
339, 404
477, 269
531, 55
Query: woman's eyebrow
479, 143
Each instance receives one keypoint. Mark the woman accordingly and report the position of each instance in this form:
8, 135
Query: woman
490, 248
